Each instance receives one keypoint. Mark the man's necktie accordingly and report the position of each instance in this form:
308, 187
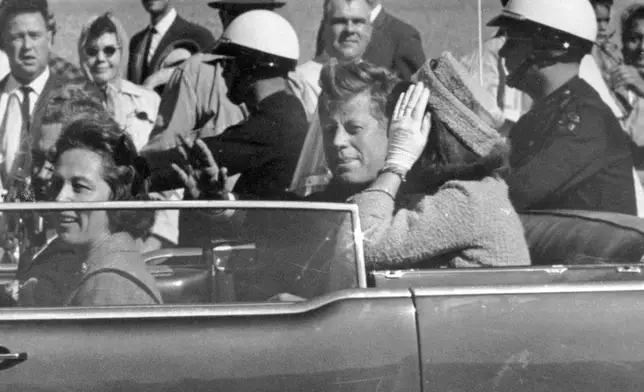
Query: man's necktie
23, 158
147, 56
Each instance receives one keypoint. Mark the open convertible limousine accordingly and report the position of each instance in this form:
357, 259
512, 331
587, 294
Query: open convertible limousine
570, 322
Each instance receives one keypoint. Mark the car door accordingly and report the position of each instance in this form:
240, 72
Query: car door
339, 336
553, 337
360, 340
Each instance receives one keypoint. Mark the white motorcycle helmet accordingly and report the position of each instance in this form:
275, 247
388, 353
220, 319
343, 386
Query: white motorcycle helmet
575, 18
262, 38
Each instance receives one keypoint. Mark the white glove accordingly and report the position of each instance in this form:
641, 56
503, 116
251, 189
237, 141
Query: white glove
409, 129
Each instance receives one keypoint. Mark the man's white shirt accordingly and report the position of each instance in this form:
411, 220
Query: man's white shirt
161, 28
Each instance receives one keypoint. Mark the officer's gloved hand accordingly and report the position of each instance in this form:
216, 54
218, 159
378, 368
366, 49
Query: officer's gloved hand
200, 174
409, 128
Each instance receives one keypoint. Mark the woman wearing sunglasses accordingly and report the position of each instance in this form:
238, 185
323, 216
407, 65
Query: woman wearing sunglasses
102, 51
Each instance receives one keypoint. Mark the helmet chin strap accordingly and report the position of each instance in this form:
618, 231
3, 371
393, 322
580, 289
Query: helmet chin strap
515, 76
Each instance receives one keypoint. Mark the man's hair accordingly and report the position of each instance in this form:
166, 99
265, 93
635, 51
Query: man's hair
607, 3
371, 3
341, 82
630, 15
447, 158
10, 8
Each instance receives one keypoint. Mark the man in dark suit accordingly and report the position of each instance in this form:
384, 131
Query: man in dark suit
25, 91
394, 44
166, 29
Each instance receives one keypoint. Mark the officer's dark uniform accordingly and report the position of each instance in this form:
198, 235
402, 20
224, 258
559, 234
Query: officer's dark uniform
264, 149
569, 152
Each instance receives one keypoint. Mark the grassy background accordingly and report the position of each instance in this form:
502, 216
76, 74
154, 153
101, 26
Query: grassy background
444, 24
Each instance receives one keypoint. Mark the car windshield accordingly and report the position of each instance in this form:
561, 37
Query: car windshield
223, 252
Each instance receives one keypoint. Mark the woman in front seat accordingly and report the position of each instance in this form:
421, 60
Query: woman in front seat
94, 162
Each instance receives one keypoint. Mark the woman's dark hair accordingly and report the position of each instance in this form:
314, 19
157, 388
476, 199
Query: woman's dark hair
101, 25
446, 158
103, 136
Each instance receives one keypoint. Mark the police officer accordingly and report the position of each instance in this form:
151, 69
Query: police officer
568, 151
195, 102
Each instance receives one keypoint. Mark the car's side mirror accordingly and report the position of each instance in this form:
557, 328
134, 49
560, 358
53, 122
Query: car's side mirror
218, 255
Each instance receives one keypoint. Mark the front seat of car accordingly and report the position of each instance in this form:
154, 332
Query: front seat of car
583, 237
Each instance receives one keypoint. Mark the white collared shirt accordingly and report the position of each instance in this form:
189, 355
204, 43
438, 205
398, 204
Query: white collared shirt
161, 28
37, 87
375, 12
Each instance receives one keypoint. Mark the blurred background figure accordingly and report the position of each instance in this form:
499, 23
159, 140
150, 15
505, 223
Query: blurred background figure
166, 32
606, 52
629, 77
103, 60
512, 102
24, 92
394, 44
134, 108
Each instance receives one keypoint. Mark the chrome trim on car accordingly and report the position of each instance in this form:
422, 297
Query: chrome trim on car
556, 288
193, 311
179, 205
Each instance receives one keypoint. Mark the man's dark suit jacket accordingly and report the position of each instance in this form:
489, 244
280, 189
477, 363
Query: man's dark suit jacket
180, 30
41, 104
394, 44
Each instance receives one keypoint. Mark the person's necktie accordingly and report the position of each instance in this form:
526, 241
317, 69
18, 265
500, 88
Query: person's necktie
23, 158
147, 56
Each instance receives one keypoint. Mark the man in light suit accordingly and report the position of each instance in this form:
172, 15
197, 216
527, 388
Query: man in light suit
394, 44
25, 91
166, 30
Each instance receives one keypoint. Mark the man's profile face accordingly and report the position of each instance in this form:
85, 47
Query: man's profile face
516, 51
355, 142
237, 82
27, 43
347, 28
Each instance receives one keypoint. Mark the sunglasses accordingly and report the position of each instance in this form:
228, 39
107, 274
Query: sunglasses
109, 51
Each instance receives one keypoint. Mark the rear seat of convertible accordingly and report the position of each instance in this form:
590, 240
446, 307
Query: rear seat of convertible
583, 237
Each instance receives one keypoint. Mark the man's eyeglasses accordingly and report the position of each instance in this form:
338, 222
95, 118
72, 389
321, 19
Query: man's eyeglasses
109, 51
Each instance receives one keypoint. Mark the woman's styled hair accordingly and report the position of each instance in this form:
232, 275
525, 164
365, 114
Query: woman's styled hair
121, 167
446, 158
341, 82
101, 25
